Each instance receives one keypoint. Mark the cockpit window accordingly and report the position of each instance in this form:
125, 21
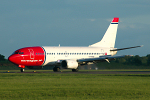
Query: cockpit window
18, 52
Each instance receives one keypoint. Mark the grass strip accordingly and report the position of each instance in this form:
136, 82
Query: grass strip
19, 86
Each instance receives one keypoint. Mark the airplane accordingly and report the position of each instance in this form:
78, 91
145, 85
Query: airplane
69, 57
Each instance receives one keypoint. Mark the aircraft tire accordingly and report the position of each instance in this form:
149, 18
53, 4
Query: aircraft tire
56, 69
22, 69
75, 70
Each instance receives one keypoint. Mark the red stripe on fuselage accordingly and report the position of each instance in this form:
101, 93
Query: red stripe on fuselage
28, 56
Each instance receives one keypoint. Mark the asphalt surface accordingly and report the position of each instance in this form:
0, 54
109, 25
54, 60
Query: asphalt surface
88, 72
108, 72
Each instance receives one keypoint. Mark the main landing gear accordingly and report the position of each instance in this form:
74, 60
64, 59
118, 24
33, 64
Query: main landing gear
75, 70
56, 69
22, 69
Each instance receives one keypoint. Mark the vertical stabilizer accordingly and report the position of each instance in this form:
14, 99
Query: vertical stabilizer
109, 37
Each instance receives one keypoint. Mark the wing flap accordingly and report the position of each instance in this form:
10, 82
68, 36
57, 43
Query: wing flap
99, 58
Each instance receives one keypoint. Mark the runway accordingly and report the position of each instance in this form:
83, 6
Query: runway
85, 72
105, 72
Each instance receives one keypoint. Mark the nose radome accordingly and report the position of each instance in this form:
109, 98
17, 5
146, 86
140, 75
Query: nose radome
12, 58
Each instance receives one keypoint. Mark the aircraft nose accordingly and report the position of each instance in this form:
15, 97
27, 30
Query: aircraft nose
12, 58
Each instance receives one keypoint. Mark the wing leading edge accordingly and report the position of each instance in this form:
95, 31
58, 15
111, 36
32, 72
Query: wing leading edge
126, 48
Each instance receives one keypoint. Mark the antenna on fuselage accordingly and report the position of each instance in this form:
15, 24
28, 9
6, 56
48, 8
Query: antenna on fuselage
59, 45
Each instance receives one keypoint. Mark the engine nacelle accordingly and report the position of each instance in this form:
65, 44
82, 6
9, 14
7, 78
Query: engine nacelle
71, 64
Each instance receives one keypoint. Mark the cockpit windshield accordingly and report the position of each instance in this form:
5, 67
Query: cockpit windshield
18, 52
21, 53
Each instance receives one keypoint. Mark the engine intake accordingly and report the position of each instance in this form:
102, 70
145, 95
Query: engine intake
71, 64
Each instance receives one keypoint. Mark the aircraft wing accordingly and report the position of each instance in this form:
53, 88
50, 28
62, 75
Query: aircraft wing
98, 59
125, 48
107, 57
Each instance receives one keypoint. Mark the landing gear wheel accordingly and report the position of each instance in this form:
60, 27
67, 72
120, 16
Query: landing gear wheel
56, 69
75, 70
22, 70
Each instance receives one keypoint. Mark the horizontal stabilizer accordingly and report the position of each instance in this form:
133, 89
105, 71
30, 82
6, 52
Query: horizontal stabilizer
126, 48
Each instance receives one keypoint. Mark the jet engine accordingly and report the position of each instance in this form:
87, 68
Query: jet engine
71, 64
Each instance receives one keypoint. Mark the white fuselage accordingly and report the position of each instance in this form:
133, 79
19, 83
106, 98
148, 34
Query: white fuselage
53, 54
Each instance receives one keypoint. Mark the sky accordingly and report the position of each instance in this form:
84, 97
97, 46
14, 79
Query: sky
25, 23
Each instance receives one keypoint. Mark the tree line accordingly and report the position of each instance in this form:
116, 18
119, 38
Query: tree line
134, 60
2, 58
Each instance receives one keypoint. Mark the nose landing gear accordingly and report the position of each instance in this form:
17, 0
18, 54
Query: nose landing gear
22, 69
